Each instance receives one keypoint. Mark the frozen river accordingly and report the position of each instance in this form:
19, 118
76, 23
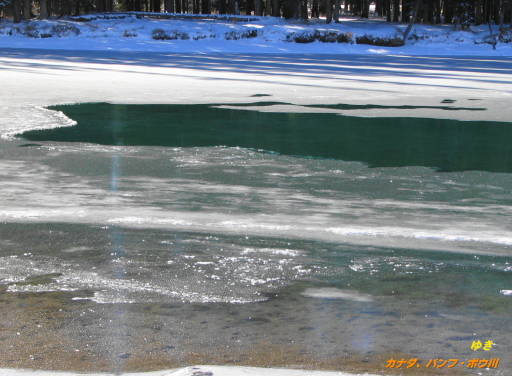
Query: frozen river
138, 237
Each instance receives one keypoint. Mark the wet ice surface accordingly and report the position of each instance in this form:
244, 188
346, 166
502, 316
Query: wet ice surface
174, 250
112, 265
245, 192
171, 294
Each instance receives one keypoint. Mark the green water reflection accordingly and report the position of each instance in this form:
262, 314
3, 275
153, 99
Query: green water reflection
447, 145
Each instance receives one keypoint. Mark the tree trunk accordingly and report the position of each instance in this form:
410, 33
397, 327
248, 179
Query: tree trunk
27, 9
355, 7
396, 10
206, 7
448, 11
292, 9
365, 9
276, 12
76, 10
405, 11
378, 7
510, 16
16, 10
100, 6
427, 11
336, 13
288, 9
304, 9
328, 11
478, 12
315, 11
496, 11
258, 8
65, 8
501, 16
156, 6
221, 6
412, 20
437, 12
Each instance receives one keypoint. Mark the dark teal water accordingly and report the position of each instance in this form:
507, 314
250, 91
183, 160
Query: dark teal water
446, 145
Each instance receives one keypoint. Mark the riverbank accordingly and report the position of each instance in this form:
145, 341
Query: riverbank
248, 34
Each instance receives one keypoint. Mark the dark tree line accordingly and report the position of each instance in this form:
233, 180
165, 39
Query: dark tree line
461, 12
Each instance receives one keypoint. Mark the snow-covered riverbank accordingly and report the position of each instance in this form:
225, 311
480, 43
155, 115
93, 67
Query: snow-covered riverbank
247, 34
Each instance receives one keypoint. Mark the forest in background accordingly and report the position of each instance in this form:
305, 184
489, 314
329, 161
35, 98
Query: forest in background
458, 12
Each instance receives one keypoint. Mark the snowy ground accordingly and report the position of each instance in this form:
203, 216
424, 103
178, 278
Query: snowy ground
246, 34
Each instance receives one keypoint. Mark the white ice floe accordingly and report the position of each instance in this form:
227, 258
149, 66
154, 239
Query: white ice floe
193, 371
17, 119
